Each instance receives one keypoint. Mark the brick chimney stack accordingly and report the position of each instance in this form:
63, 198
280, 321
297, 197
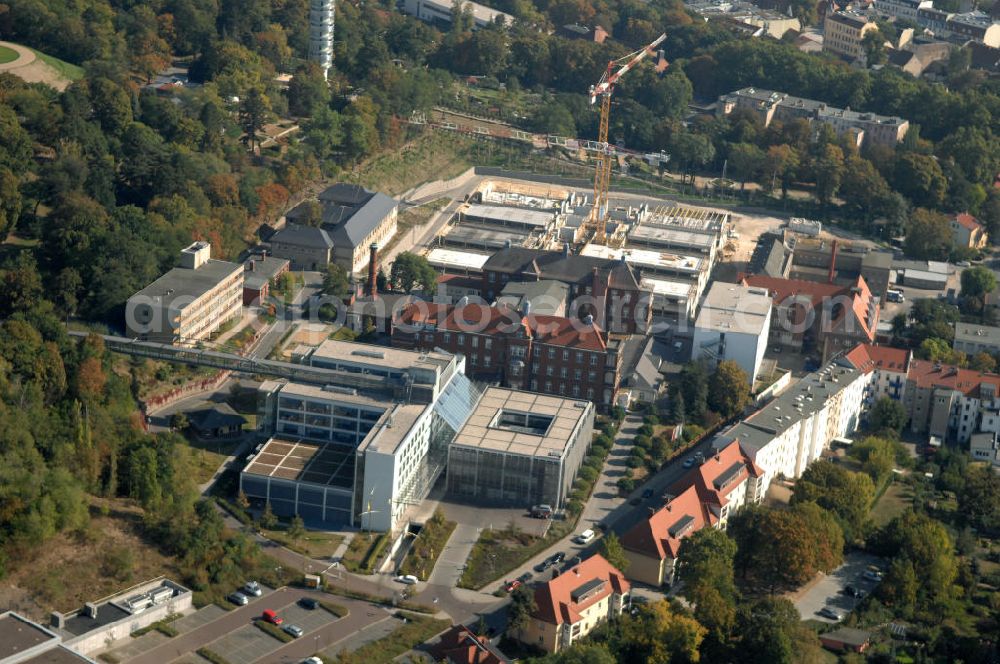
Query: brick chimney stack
372, 290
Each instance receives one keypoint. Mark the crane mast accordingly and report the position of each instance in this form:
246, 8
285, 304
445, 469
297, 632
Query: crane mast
602, 176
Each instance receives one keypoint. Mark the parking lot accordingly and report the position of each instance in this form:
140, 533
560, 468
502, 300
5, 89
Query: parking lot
828, 591
249, 643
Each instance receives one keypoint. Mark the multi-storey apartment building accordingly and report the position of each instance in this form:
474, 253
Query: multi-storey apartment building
573, 604
188, 303
902, 9
733, 324
794, 429
844, 33
607, 289
887, 368
869, 128
519, 349
705, 497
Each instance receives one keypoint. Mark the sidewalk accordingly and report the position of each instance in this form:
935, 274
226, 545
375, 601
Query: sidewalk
451, 562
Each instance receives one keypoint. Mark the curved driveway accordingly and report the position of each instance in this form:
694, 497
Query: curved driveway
25, 56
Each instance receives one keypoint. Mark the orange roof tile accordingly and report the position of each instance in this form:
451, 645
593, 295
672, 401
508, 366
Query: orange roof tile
967, 221
868, 357
928, 374
554, 600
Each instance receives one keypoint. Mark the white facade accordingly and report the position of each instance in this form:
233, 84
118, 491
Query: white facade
985, 447
792, 431
439, 11
904, 9
733, 324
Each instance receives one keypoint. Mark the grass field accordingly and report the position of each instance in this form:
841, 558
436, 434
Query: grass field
893, 502
314, 544
7, 55
65, 69
208, 456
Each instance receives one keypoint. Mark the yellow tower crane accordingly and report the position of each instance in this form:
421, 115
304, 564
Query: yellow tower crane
602, 177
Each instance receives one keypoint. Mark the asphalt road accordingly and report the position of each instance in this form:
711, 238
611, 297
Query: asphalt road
828, 589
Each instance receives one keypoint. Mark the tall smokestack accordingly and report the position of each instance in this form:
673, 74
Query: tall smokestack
372, 290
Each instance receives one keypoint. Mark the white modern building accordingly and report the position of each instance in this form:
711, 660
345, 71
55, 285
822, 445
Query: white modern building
440, 12
364, 449
322, 14
790, 432
904, 9
733, 324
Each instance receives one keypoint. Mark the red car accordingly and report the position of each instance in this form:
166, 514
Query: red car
272, 617
511, 586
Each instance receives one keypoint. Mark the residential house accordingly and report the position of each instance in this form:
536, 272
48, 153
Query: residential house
846, 639
945, 401
985, 446
519, 349
830, 318
971, 338
218, 422
260, 272
705, 497
573, 604
607, 289
596, 34
306, 247
190, 302
902, 9
645, 382
887, 368
439, 12
844, 33
460, 645
968, 232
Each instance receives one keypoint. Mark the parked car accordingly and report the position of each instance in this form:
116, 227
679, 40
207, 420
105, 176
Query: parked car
542, 511
557, 557
309, 603
574, 561
688, 462
647, 493
586, 536
252, 588
512, 585
270, 616
238, 598
312, 660
408, 579
293, 630
542, 566
873, 575
527, 576
831, 613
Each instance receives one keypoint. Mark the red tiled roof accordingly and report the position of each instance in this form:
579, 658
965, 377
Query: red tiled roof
503, 320
554, 599
460, 645
868, 357
928, 374
460, 281
967, 221
800, 291
694, 496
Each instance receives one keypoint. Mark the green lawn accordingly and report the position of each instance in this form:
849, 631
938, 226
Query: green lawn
65, 69
893, 502
315, 544
208, 456
408, 635
424, 552
7, 55
497, 552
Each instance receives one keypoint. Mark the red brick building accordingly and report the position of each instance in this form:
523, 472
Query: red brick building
547, 354
607, 289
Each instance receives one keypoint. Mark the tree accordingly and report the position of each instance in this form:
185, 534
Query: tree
614, 552
828, 170
552, 117
335, 281
928, 546
705, 567
928, 236
899, 586
888, 415
984, 362
410, 271
691, 151
979, 499
308, 90
729, 389
846, 494
659, 633
296, 529
267, 518
255, 109
780, 164
977, 283
919, 177
90, 380
179, 422
360, 132
521, 607
582, 653
769, 631
873, 45
676, 412
746, 160
694, 387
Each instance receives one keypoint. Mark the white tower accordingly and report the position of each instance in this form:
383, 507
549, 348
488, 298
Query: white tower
321, 17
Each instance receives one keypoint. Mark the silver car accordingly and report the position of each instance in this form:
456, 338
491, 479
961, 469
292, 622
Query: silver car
293, 630
239, 599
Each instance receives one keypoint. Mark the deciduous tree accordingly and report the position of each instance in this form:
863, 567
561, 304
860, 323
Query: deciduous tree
728, 389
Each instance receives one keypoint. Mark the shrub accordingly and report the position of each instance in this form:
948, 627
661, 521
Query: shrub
626, 485
645, 430
651, 419
633, 462
645, 442
588, 473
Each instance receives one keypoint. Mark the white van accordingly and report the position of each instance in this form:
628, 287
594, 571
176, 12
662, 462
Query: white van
585, 537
